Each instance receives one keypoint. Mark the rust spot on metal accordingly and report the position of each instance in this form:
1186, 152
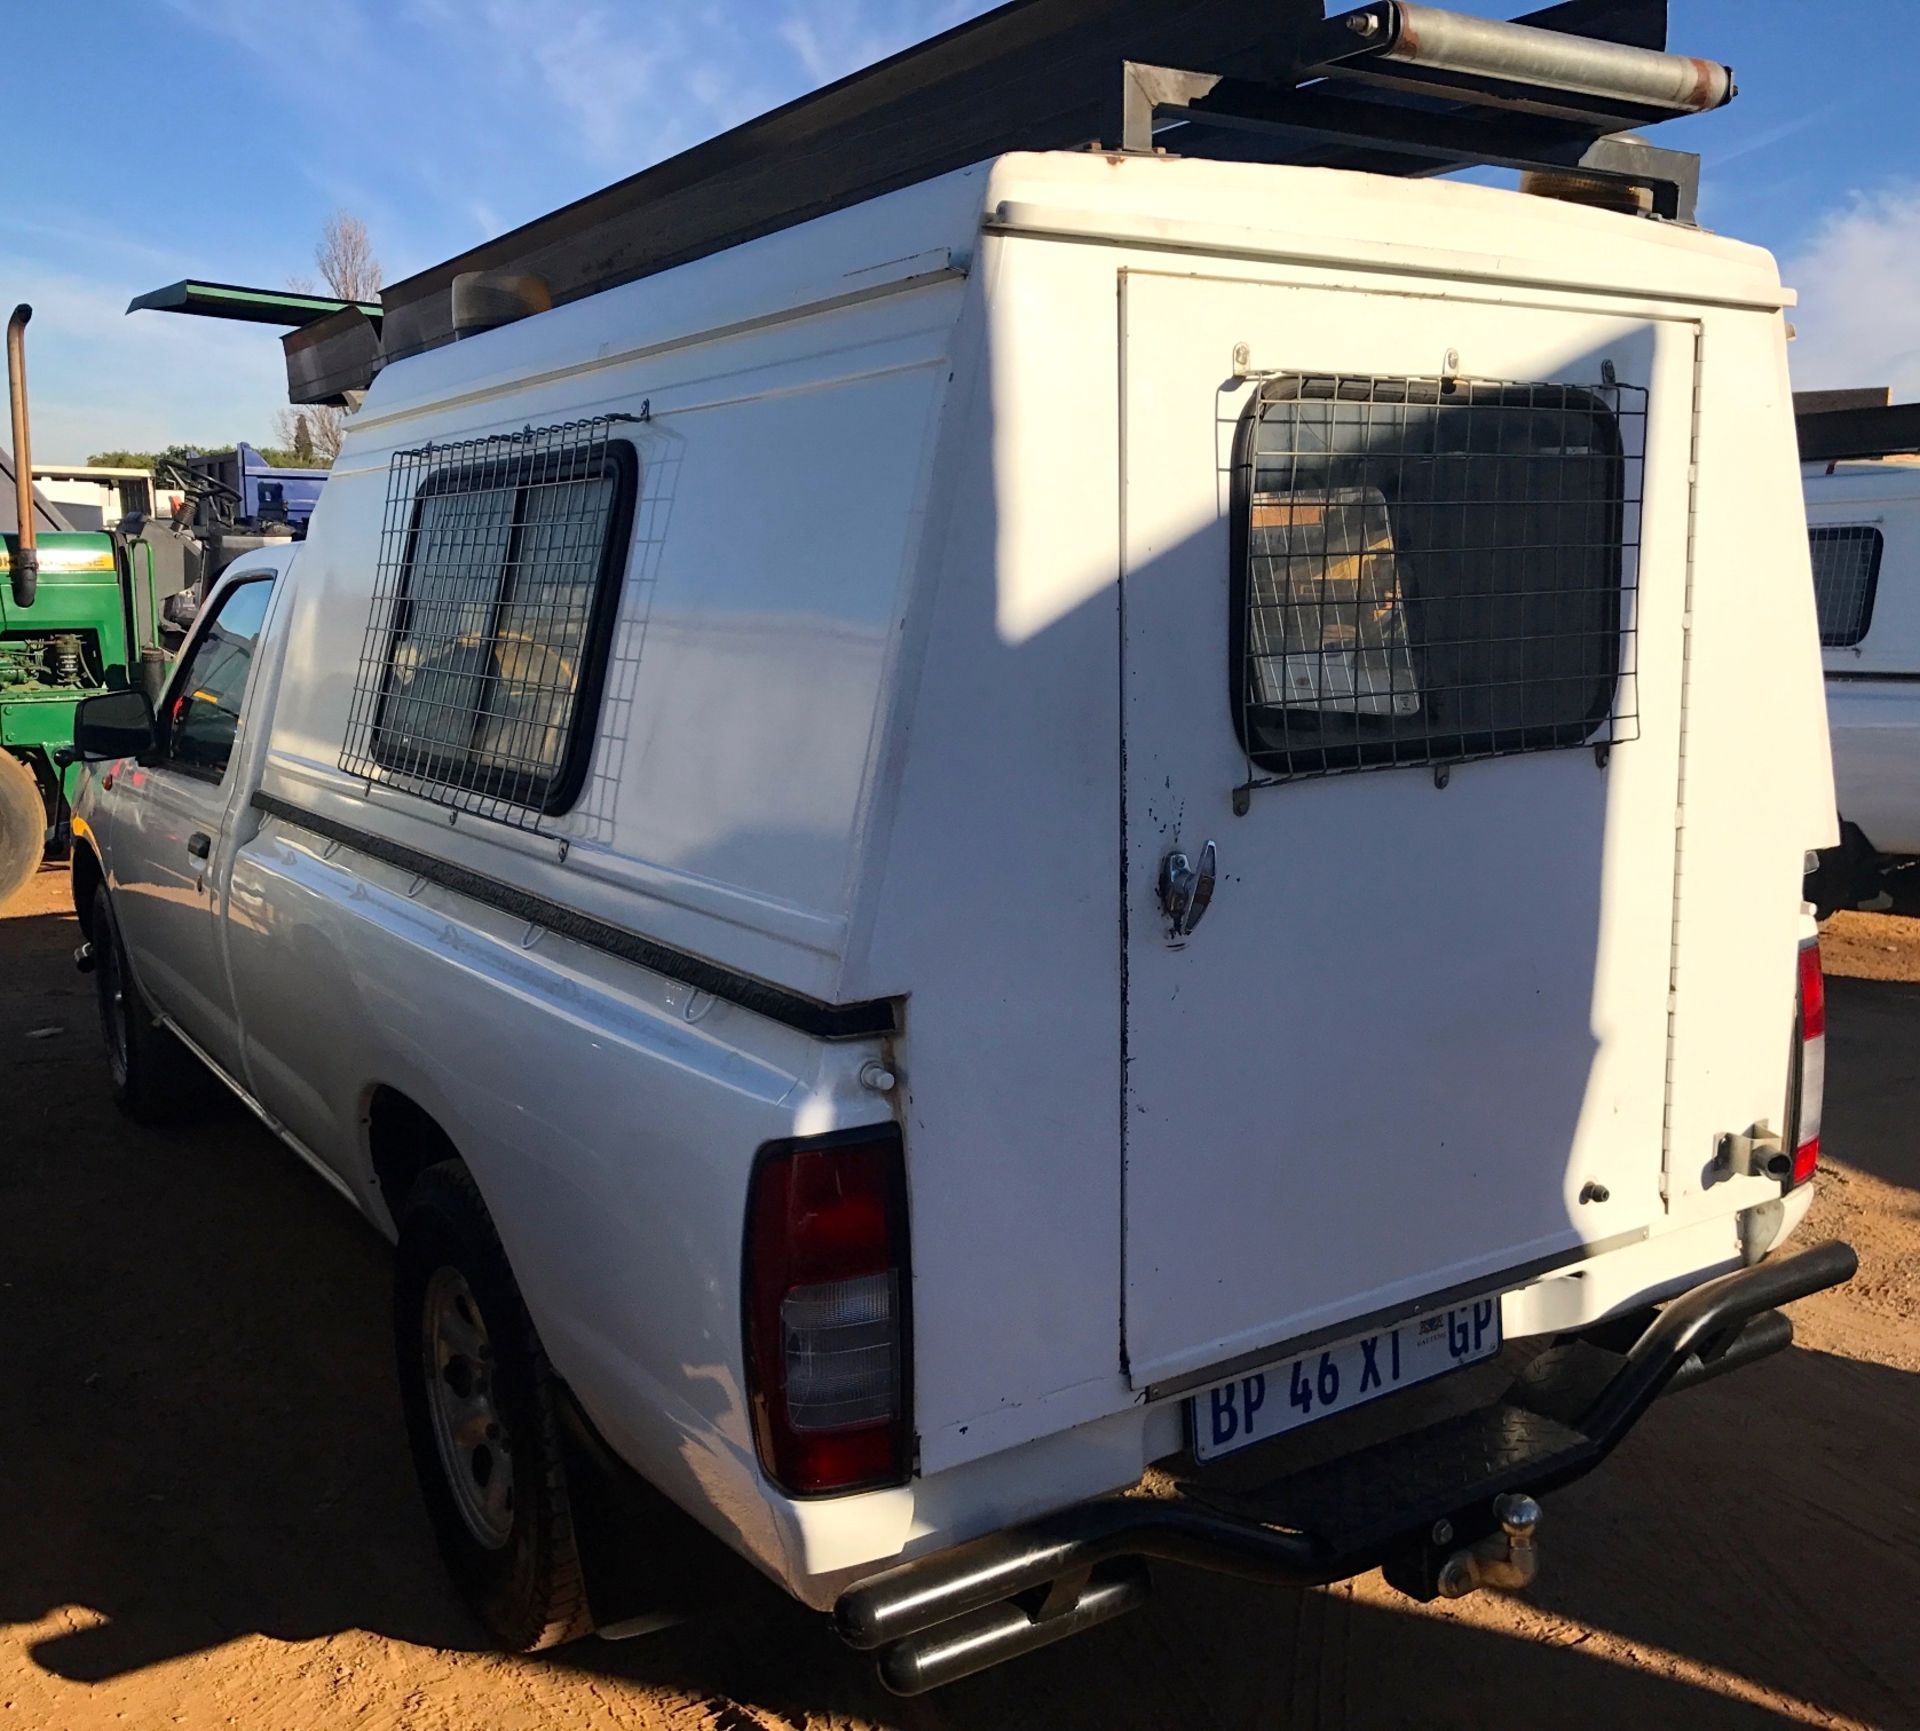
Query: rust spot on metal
1707, 75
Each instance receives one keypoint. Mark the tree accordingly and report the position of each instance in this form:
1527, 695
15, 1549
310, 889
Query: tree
346, 261
309, 439
152, 459
344, 254
174, 457
351, 272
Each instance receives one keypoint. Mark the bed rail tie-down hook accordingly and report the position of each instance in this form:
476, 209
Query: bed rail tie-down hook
1186, 890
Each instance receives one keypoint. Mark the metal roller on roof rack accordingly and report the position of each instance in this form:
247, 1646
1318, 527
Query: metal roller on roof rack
1426, 40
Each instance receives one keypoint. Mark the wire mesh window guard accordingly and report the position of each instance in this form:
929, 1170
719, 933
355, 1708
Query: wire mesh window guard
1846, 572
494, 599
1430, 571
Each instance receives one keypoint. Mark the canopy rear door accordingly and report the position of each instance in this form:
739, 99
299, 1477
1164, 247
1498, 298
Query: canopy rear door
1423, 620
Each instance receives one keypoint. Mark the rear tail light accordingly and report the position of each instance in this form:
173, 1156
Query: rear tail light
826, 1285
1810, 1064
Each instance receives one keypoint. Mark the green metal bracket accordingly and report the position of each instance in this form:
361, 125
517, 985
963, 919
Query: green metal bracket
221, 300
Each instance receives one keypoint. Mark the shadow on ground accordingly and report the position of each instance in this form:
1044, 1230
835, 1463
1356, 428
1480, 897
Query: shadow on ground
1873, 1077
205, 1443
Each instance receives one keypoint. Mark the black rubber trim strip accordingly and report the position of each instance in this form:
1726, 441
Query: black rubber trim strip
1867, 675
809, 1015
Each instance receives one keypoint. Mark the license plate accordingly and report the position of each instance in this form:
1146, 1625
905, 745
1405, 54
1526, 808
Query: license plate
1282, 1397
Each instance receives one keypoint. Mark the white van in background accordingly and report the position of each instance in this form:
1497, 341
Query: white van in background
1863, 532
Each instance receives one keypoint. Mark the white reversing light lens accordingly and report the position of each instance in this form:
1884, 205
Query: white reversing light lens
841, 1363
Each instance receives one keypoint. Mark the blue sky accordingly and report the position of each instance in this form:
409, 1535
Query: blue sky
213, 137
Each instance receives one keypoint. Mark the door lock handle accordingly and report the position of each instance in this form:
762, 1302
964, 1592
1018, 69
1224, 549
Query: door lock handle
1186, 890
199, 844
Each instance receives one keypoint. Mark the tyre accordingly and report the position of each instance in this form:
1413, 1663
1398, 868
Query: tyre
1843, 876
483, 1419
155, 1079
23, 826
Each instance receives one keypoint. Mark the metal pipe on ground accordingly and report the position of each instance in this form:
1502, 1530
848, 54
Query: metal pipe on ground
26, 556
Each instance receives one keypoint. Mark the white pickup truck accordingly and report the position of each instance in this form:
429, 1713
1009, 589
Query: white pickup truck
1068, 867
1863, 528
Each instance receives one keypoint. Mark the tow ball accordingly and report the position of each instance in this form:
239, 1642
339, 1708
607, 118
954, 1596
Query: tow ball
1509, 1558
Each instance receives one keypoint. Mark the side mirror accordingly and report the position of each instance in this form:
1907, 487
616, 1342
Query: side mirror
113, 724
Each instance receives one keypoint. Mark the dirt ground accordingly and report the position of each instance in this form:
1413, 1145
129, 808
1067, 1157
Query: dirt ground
207, 1515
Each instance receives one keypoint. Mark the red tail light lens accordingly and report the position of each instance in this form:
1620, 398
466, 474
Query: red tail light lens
1810, 1081
1813, 993
826, 1330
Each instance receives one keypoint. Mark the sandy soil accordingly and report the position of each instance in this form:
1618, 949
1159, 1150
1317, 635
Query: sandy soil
208, 1515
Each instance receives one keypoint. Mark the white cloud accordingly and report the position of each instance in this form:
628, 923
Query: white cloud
831, 38
1859, 314
605, 78
442, 121
626, 88
502, 96
100, 380
1767, 137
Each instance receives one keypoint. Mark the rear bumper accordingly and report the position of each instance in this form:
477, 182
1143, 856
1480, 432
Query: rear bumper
1407, 1504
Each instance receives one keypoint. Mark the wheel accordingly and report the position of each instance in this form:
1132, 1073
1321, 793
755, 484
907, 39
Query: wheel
483, 1419
155, 1079
1846, 876
23, 826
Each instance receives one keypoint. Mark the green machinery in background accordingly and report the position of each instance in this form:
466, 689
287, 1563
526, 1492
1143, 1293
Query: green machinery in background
78, 614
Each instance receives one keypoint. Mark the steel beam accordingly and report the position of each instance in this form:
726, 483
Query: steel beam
1840, 435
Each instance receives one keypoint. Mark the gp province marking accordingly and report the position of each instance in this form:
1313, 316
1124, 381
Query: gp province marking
1312, 1388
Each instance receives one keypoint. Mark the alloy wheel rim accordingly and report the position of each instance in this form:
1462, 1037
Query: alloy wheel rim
476, 1454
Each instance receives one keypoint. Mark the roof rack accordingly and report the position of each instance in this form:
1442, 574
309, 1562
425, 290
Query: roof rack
1391, 87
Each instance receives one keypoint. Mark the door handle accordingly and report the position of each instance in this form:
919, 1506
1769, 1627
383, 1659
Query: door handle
1186, 890
199, 844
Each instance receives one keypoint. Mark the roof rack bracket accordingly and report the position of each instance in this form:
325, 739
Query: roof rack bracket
1148, 91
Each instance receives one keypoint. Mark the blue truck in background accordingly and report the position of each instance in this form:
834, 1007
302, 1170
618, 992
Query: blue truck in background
259, 492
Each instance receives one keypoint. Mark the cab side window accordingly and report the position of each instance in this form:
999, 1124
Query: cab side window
203, 707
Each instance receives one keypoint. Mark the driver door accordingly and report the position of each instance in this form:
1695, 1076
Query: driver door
173, 814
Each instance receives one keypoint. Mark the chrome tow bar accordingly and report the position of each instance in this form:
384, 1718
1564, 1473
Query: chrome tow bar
1510, 1558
